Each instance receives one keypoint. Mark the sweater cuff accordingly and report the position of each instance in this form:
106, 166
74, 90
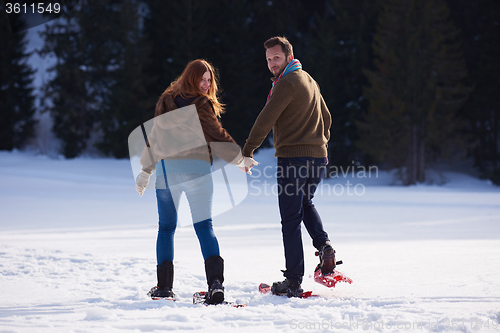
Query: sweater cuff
247, 151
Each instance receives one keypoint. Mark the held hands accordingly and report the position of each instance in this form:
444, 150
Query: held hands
246, 163
142, 181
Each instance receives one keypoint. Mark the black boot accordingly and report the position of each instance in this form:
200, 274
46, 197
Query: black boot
326, 258
214, 269
165, 275
288, 288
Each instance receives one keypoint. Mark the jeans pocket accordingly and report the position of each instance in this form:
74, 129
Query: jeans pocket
299, 161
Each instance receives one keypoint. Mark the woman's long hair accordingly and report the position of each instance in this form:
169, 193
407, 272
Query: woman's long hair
188, 85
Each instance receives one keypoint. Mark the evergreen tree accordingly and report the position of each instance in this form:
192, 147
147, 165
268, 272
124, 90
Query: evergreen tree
339, 47
241, 66
98, 81
176, 32
17, 106
156, 29
263, 20
218, 32
417, 88
479, 22
74, 91
179, 32
126, 103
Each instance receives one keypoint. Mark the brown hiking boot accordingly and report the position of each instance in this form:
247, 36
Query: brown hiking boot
326, 255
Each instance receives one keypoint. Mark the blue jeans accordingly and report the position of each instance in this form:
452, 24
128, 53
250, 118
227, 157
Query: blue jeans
199, 193
298, 179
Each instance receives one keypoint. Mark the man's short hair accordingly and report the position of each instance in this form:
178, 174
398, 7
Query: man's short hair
286, 47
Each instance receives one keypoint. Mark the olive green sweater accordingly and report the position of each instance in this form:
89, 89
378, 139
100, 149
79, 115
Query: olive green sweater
298, 116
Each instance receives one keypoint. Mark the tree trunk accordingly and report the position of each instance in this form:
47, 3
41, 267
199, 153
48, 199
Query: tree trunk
421, 157
411, 164
415, 167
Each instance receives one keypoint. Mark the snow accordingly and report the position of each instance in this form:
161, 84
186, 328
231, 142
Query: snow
77, 254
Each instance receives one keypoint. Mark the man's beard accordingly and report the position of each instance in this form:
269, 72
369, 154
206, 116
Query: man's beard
280, 71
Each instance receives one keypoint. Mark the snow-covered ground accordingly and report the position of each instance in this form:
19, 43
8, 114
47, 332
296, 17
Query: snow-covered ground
77, 254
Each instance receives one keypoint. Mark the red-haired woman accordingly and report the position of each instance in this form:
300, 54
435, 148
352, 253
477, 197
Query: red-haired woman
189, 172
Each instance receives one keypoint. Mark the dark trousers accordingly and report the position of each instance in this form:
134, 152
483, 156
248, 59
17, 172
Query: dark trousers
298, 179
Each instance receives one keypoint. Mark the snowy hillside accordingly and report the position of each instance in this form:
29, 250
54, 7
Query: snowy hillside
77, 254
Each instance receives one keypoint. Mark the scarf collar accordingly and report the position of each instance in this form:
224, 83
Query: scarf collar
291, 67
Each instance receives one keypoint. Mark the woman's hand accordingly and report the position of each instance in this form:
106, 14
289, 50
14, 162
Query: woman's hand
246, 163
142, 181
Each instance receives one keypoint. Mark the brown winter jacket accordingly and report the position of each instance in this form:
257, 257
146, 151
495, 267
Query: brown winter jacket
218, 139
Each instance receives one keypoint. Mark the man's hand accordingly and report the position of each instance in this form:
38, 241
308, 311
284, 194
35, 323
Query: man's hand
246, 163
142, 181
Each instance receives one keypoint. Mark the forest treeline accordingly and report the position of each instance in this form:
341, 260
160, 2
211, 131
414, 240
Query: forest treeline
409, 83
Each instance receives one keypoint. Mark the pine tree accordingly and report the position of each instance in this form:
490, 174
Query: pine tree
98, 83
263, 20
417, 88
17, 103
479, 22
339, 47
218, 32
176, 32
184, 29
73, 89
240, 63
156, 29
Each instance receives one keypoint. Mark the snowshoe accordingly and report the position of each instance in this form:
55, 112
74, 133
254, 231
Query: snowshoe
201, 298
287, 288
157, 294
264, 288
330, 280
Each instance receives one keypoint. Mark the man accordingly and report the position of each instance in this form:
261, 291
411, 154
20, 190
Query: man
300, 120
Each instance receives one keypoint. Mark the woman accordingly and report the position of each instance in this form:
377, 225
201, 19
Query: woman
188, 171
